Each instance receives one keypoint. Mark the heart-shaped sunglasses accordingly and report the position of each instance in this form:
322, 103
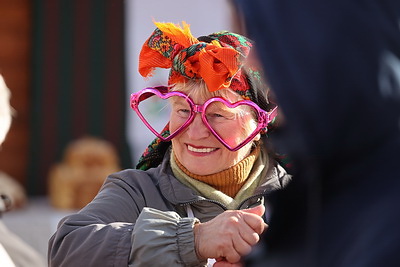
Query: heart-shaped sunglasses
233, 124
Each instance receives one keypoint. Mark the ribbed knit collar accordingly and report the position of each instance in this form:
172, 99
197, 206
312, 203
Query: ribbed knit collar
228, 181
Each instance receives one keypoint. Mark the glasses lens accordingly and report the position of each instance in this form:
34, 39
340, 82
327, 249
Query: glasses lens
157, 111
233, 125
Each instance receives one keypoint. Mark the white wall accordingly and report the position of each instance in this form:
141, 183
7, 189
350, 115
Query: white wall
204, 17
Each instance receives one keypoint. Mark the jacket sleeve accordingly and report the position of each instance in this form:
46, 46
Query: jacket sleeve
100, 234
116, 229
163, 238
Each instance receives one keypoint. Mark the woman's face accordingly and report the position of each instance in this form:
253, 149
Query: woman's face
198, 150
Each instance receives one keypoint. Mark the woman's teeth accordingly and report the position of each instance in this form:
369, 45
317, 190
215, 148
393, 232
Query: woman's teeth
201, 150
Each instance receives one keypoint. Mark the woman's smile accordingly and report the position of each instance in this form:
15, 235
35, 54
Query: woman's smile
201, 149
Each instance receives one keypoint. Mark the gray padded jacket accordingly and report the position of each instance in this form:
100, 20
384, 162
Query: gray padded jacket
139, 218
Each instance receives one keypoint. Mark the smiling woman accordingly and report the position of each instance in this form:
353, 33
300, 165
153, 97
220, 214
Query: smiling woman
207, 168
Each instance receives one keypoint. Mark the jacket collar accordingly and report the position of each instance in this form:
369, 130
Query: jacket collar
177, 193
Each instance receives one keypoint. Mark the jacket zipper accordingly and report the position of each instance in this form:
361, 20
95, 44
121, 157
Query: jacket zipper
219, 203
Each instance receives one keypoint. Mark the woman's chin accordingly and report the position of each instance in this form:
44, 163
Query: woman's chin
202, 170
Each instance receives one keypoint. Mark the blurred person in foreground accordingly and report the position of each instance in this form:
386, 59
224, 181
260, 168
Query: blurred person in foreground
14, 252
335, 69
197, 195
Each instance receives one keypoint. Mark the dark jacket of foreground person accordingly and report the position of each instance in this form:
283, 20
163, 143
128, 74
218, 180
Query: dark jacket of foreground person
335, 68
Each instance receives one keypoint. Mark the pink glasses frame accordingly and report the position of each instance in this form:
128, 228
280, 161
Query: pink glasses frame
263, 116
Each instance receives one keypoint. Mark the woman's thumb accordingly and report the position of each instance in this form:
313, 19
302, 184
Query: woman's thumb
258, 210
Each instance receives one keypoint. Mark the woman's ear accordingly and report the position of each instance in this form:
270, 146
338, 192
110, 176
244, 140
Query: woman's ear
257, 137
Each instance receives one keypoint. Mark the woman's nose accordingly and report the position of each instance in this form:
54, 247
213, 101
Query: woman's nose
197, 129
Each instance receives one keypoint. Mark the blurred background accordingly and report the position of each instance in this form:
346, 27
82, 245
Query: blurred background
71, 66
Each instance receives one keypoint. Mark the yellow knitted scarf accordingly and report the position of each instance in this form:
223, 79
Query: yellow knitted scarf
230, 186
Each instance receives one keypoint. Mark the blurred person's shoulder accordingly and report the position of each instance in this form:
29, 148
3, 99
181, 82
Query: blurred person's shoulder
5, 109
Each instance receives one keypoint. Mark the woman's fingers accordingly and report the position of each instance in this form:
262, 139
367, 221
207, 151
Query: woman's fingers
230, 235
253, 218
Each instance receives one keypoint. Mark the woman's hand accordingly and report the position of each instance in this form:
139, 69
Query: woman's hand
230, 235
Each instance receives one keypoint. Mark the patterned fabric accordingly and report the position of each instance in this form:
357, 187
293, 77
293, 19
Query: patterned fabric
154, 152
217, 59
153, 155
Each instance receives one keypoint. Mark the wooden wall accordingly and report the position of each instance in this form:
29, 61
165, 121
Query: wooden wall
15, 49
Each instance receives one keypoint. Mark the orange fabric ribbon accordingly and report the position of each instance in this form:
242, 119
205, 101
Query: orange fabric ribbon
171, 46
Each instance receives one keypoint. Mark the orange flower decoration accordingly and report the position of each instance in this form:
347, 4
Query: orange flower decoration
217, 62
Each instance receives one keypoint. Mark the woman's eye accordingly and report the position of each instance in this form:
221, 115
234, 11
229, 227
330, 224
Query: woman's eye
222, 115
218, 115
183, 112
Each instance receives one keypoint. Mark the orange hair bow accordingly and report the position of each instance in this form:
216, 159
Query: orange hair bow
217, 62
